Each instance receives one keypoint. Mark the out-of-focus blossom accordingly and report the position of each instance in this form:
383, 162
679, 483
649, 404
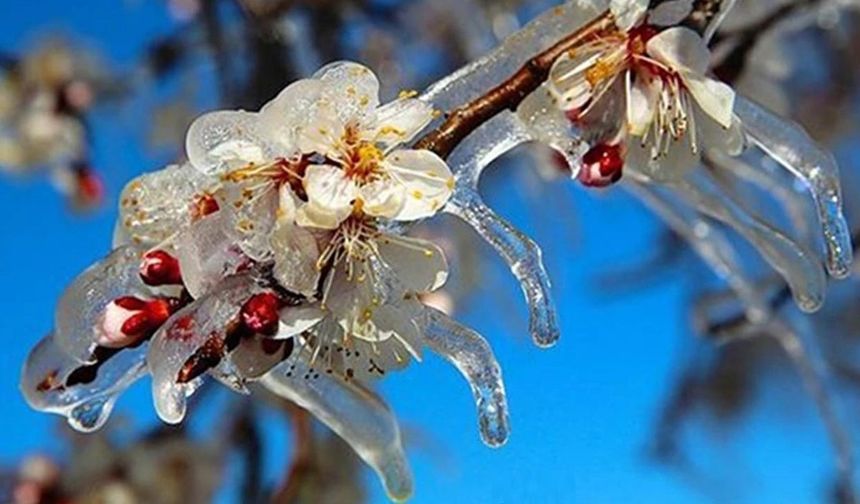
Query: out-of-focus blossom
43, 99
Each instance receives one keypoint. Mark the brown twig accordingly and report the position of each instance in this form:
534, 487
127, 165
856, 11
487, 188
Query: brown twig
302, 461
509, 94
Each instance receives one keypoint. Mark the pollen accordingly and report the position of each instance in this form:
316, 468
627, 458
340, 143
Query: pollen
407, 93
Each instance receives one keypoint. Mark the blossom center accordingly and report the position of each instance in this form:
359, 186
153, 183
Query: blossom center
363, 162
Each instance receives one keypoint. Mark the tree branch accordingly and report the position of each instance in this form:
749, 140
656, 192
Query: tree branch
509, 94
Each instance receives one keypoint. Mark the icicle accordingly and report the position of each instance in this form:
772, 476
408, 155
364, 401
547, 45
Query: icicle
86, 405
472, 355
356, 414
708, 241
521, 254
803, 274
784, 193
789, 145
492, 140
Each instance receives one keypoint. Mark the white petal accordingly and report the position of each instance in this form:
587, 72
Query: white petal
382, 198
298, 319
398, 122
717, 99
311, 215
288, 204
642, 96
568, 82
321, 131
296, 253
628, 13
418, 264
680, 48
427, 179
329, 189
670, 13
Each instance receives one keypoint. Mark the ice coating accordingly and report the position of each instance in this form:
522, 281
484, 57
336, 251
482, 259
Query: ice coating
356, 414
801, 271
84, 301
473, 357
548, 125
207, 253
522, 255
485, 73
252, 220
155, 206
791, 146
784, 192
708, 241
492, 140
86, 406
184, 334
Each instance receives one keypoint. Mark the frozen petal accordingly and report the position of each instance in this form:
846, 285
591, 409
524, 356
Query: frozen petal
357, 415
156, 205
84, 301
279, 117
474, 358
398, 122
296, 253
418, 264
207, 253
427, 179
88, 402
298, 319
717, 99
680, 48
224, 140
352, 89
252, 215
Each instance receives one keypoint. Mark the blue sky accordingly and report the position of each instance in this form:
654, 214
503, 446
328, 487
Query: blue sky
582, 413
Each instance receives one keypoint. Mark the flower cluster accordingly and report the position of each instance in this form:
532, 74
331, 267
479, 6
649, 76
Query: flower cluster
651, 75
275, 254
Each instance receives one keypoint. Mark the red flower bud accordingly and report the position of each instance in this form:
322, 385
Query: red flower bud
602, 166
260, 313
160, 268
